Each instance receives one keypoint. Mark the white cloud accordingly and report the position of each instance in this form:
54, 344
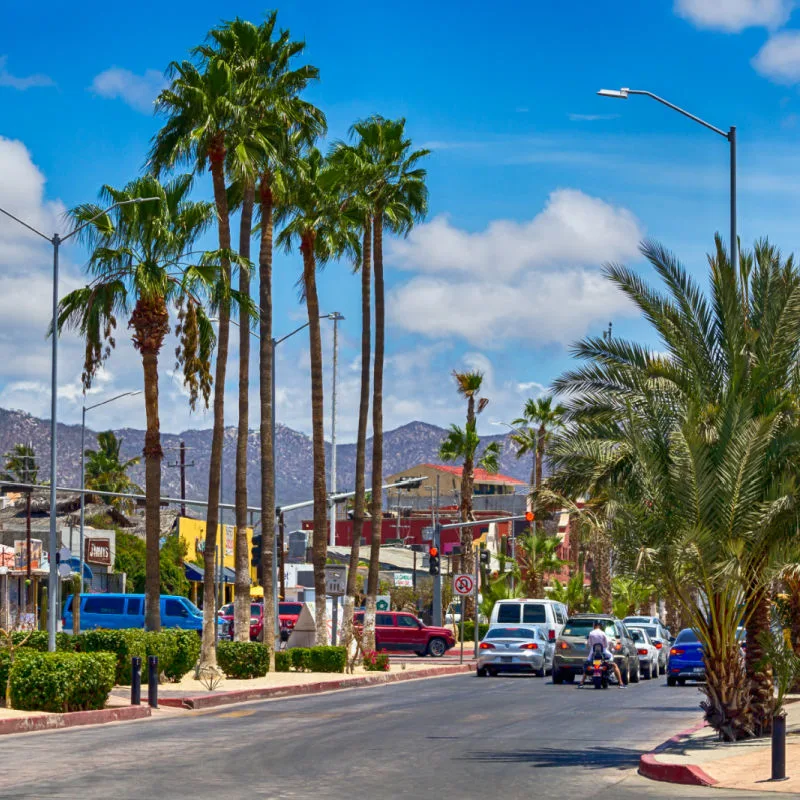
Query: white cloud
21, 84
779, 58
591, 117
138, 91
732, 16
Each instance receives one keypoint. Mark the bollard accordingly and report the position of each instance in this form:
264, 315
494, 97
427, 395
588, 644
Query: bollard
136, 681
779, 748
152, 681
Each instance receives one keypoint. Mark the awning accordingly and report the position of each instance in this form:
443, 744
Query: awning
195, 573
75, 563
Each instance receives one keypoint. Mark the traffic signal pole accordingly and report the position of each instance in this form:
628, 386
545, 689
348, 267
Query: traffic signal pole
437, 579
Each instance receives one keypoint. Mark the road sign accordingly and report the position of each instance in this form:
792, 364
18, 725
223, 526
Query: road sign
427, 534
383, 602
335, 580
463, 584
404, 579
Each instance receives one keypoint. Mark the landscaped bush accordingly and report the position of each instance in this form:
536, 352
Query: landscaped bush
185, 652
243, 659
37, 640
469, 630
327, 659
163, 645
376, 662
283, 661
61, 682
301, 658
124, 644
5, 668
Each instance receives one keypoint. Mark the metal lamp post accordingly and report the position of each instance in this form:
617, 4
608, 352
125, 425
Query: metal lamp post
56, 240
83, 465
730, 135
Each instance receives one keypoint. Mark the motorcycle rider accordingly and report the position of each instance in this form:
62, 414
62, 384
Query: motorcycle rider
598, 636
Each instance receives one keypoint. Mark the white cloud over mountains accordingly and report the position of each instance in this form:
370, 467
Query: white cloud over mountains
138, 91
733, 16
535, 281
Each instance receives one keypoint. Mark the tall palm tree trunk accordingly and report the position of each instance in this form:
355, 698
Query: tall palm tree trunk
376, 509
241, 592
266, 367
208, 655
28, 582
467, 484
320, 540
759, 675
361, 438
150, 322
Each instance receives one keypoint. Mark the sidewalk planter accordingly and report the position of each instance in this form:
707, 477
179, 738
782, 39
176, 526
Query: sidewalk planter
321, 658
243, 659
61, 682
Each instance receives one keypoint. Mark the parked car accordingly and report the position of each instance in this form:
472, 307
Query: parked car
514, 649
685, 659
648, 654
127, 611
661, 639
288, 614
639, 621
398, 630
453, 614
571, 652
548, 615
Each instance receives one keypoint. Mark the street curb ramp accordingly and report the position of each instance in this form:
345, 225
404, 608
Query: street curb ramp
686, 774
202, 701
72, 719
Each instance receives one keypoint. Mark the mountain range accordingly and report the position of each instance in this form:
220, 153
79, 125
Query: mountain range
404, 447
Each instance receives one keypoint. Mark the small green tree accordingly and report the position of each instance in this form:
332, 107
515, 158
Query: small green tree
105, 472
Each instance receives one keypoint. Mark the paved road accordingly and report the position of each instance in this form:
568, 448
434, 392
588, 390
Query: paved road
513, 737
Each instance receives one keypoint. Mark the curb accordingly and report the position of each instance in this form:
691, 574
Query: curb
685, 774
197, 702
72, 719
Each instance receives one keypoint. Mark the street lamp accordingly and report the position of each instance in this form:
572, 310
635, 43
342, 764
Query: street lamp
624, 93
56, 240
83, 464
336, 317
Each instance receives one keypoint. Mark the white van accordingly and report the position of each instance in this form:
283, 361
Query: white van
547, 615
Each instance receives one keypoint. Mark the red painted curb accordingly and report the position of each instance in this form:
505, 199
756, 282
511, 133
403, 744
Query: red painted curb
197, 702
686, 774
47, 722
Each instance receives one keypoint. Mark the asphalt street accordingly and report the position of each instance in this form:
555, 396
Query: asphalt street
513, 737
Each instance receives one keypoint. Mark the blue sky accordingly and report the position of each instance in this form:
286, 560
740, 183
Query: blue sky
534, 180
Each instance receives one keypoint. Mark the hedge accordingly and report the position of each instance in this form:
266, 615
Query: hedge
61, 682
37, 640
327, 659
243, 659
469, 630
283, 661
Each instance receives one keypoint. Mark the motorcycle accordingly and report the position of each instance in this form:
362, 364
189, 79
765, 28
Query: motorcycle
599, 668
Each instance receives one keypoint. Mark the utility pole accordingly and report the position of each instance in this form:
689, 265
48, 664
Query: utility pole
182, 466
335, 317
280, 559
437, 579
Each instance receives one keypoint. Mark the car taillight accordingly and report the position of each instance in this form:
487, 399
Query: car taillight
529, 646
658, 645
563, 646
618, 646
642, 652
551, 635
486, 646
676, 651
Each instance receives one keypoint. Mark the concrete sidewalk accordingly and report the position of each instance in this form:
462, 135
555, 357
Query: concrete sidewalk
697, 757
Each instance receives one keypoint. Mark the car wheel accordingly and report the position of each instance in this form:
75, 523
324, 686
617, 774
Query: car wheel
437, 648
671, 681
681, 681
637, 670
626, 676
647, 672
540, 673
558, 676
491, 672
569, 677
480, 672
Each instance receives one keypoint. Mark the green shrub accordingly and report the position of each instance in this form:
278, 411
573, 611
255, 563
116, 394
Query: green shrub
376, 662
243, 659
301, 658
163, 645
327, 659
186, 651
37, 640
124, 644
5, 668
469, 630
61, 682
283, 661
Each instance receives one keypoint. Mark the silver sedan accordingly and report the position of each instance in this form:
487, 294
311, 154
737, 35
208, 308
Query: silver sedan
511, 649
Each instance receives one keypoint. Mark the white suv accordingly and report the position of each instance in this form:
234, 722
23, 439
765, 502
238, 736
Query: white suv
547, 615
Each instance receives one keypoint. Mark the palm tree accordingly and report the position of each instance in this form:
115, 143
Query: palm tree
462, 444
696, 447
314, 221
539, 420
21, 468
141, 266
105, 472
207, 125
397, 197
536, 555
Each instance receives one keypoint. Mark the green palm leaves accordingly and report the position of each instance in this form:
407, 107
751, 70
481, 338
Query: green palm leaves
106, 472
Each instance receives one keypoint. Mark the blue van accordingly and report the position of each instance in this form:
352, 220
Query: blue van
127, 611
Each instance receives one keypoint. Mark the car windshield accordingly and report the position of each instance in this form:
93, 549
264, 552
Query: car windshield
226, 610
686, 636
636, 619
651, 631
511, 633
583, 627
255, 609
290, 608
637, 636
194, 609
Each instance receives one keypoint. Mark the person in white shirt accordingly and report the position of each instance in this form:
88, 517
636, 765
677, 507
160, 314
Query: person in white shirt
598, 636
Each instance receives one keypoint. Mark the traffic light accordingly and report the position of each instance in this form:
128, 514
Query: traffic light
529, 516
485, 557
433, 560
255, 551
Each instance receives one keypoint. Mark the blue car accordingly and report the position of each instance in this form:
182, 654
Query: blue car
685, 659
127, 611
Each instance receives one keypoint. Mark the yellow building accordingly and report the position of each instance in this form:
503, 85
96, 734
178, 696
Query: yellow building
193, 533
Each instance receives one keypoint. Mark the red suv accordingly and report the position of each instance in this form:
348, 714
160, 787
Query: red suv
398, 630
288, 614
